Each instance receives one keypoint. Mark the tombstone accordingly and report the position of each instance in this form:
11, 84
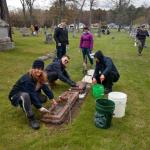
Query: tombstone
5, 41
67, 100
25, 31
49, 38
47, 56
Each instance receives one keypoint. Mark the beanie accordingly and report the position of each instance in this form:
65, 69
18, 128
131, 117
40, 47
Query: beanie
38, 64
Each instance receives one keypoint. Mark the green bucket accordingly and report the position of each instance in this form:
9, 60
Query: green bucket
104, 113
98, 90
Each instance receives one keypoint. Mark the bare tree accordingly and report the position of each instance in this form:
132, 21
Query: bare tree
30, 8
121, 6
80, 13
23, 3
4, 14
92, 3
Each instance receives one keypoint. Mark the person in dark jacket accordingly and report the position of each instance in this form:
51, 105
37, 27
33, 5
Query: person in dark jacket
57, 70
141, 35
61, 39
105, 71
27, 91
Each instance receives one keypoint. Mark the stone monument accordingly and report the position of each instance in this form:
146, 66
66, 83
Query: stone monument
5, 41
48, 38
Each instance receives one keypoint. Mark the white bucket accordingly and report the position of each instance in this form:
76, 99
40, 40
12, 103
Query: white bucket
120, 100
90, 72
87, 79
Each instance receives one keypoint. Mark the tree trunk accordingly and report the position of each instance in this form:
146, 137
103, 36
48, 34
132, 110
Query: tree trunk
5, 16
4, 11
79, 15
99, 30
74, 29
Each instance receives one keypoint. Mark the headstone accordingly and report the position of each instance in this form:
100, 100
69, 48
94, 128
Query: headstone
25, 31
57, 114
5, 42
49, 38
47, 56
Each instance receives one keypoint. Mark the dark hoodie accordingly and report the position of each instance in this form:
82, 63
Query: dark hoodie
105, 65
59, 68
27, 84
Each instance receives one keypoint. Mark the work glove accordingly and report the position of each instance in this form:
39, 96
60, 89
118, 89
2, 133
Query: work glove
43, 110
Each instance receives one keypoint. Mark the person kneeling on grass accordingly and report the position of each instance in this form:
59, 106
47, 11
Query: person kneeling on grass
57, 70
27, 91
105, 71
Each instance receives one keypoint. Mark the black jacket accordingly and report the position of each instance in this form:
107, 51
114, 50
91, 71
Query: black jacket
61, 36
105, 67
141, 35
27, 84
59, 68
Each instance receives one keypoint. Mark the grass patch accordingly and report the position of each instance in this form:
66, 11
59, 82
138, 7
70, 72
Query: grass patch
130, 132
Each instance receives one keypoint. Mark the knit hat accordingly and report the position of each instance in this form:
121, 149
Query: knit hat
38, 64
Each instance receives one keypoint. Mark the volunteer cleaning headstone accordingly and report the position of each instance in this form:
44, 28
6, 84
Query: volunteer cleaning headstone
27, 91
105, 71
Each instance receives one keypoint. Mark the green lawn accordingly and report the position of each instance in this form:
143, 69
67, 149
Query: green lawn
129, 133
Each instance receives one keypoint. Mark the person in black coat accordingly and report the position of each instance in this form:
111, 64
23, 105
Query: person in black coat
57, 70
27, 91
141, 35
61, 39
105, 71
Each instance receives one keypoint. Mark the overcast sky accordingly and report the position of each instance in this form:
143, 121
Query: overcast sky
13, 4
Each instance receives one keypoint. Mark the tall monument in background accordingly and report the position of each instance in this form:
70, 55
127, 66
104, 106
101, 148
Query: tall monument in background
5, 28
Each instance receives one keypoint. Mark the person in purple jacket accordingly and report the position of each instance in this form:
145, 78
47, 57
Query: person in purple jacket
86, 45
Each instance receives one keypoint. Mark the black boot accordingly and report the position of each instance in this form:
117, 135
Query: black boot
34, 123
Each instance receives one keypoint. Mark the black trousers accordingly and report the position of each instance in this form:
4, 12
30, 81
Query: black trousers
61, 51
52, 76
141, 44
109, 79
25, 102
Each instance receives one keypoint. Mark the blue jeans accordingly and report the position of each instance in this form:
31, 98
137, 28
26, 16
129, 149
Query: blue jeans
86, 53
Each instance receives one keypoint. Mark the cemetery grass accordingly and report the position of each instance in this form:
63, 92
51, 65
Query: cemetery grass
128, 133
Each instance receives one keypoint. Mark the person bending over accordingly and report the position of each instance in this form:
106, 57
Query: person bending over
57, 70
27, 91
105, 71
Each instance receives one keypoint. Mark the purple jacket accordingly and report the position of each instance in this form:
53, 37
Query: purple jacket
86, 40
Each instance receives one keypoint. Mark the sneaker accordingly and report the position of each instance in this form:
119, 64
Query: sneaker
34, 123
